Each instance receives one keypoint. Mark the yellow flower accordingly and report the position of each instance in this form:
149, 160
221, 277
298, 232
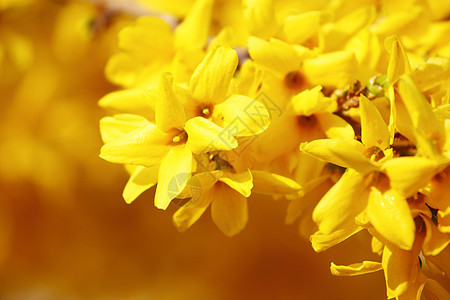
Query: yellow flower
308, 116
290, 69
170, 143
183, 128
226, 192
379, 186
404, 269
150, 46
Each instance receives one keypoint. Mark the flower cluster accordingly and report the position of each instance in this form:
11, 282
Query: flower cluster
340, 107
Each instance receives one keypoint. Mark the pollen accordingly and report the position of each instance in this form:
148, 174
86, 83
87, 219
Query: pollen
180, 138
205, 110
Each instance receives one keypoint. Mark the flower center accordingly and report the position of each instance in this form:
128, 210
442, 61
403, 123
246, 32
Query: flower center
416, 199
402, 146
380, 181
180, 138
205, 110
374, 153
307, 122
294, 80
420, 224
221, 163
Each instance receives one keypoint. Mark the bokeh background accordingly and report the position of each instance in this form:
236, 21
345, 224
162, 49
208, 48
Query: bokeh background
65, 231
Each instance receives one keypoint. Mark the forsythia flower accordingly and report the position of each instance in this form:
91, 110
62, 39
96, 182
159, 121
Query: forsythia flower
183, 127
339, 107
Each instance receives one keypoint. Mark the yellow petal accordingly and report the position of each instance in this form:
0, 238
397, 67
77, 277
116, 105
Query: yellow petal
335, 127
260, 17
240, 182
332, 69
337, 33
341, 152
174, 172
130, 101
311, 169
312, 101
269, 183
205, 136
307, 198
390, 215
122, 69
432, 73
229, 209
397, 266
275, 55
342, 203
374, 131
444, 220
439, 196
321, 241
169, 112
187, 215
398, 63
211, 79
415, 289
433, 290
365, 267
184, 63
409, 173
270, 144
199, 184
193, 32
377, 246
435, 241
392, 113
114, 127
242, 116
140, 180
366, 47
147, 39
299, 28
403, 122
147, 44
143, 146
422, 116
226, 37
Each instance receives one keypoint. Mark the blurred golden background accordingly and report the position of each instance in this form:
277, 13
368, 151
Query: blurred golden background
65, 231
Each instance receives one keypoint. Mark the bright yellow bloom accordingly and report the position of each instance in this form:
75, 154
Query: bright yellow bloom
183, 128
355, 157
290, 69
150, 46
226, 192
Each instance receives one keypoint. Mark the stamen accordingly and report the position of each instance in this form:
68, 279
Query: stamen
375, 153
205, 110
221, 163
180, 137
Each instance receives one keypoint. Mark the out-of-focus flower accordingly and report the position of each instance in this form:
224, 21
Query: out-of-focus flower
177, 51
